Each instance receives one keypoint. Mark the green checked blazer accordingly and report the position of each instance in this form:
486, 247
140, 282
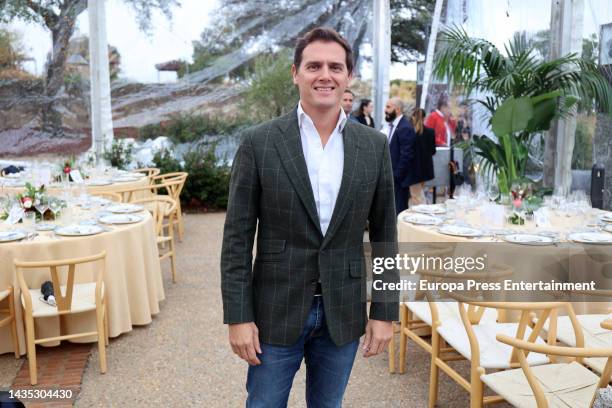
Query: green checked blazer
270, 192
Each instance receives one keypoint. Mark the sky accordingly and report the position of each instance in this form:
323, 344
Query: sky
495, 20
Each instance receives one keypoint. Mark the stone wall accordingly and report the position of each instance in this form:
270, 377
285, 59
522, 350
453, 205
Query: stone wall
602, 153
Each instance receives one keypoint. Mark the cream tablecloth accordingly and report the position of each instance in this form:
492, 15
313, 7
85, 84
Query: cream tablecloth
411, 233
133, 278
112, 188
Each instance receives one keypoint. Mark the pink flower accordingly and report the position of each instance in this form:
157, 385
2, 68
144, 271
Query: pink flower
517, 203
26, 202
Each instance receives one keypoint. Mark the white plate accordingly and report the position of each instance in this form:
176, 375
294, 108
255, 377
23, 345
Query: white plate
460, 231
607, 217
9, 236
422, 219
45, 227
125, 179
120, 219
79, 230
608, 228
598, 238
528, 239
95, 183
428, 209
124, 208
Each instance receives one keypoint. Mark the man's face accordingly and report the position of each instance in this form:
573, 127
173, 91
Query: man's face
445, 110
322, 75
347, 102
390, 111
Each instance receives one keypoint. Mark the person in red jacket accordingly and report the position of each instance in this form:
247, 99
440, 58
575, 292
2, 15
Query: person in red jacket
442, 122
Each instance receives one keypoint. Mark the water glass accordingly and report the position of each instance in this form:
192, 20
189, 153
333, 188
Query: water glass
29, 220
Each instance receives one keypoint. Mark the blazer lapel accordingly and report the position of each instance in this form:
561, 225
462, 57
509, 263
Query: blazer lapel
348, 184
289, 147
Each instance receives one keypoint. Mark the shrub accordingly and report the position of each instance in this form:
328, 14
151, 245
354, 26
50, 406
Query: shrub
120, 154
165, 162
208, 182
186, 128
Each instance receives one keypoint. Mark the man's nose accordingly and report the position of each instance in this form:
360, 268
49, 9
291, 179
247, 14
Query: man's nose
325, 72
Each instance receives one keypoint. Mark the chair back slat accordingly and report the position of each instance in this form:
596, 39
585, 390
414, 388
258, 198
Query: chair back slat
63, 301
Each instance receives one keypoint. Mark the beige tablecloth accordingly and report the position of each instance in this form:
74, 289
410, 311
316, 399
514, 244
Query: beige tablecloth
133, 278
586, 263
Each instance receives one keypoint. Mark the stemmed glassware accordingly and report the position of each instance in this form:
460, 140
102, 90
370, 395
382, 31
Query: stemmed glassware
55, 205
42, 205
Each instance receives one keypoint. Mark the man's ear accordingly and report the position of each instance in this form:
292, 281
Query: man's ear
350, 76
294, 73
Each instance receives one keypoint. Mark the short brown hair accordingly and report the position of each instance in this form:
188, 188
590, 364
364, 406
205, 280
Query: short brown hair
323, 34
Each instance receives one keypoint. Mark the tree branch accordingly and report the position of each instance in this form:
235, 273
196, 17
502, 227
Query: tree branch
48, 16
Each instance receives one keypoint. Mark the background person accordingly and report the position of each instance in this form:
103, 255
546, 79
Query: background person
442, 122
364, 113
421, 148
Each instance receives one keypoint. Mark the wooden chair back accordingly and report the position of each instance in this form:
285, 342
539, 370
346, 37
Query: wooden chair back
160, 207
522, 348
63, 301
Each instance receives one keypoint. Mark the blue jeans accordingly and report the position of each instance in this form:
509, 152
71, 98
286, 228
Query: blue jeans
328, 367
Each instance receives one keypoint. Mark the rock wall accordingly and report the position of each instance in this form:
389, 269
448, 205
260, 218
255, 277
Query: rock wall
602, 153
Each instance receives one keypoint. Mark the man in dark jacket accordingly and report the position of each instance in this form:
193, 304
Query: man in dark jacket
308, 182
398, 131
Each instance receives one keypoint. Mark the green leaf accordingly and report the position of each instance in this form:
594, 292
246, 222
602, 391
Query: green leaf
544, 112
512, 116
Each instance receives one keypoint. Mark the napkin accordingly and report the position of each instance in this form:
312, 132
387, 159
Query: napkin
541, 217
14, 216
76, 176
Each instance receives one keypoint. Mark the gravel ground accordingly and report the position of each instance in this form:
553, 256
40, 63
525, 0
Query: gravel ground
182, 358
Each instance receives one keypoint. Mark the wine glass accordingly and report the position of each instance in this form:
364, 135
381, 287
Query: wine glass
55, 205
42, 205
492, 191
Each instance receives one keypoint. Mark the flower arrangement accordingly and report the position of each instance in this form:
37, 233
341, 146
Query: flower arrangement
67, 165
27, 198
523, 201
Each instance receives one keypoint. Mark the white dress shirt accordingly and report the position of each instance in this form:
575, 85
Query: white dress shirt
386, 128
325, 164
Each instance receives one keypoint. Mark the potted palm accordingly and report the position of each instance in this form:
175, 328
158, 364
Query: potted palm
524, 94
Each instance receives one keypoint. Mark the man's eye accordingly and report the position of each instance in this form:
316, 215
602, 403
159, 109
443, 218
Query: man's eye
312, 67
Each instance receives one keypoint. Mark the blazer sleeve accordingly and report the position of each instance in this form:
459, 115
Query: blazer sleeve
238, 237
383, 236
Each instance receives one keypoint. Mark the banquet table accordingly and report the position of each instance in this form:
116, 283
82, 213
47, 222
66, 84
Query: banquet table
586, 263
133, 281
93, 187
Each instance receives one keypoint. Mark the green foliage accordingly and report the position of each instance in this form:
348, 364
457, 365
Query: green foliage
271, 92
11, 50
120, 154
186, 127
528, 93
410, 22
208, 181
165, 161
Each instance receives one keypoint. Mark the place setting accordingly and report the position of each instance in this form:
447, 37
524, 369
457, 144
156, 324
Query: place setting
124, 208
461, 231
422, 219
430, 209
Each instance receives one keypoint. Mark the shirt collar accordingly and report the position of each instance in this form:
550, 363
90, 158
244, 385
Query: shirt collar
440, 112
396, 121
303, 115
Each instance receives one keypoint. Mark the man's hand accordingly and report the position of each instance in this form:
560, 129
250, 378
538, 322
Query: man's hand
244, 339
377, 336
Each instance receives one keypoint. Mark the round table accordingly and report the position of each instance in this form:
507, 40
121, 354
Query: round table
132, 279
588, 264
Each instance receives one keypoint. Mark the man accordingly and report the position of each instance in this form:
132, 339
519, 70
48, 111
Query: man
399, 133
347, 104
307, 182
442, 122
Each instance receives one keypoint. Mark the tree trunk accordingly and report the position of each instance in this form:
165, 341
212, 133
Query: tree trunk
62, 29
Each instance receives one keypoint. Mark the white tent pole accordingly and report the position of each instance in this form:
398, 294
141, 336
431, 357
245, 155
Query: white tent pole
382, 57
101, 114
435, 26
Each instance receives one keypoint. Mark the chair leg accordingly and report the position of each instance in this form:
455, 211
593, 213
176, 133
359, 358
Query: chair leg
172, 260
13, 324
391, 349
101, 340
181, 226
106, 335
403, 339
434, 373
30, 338
477, 388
